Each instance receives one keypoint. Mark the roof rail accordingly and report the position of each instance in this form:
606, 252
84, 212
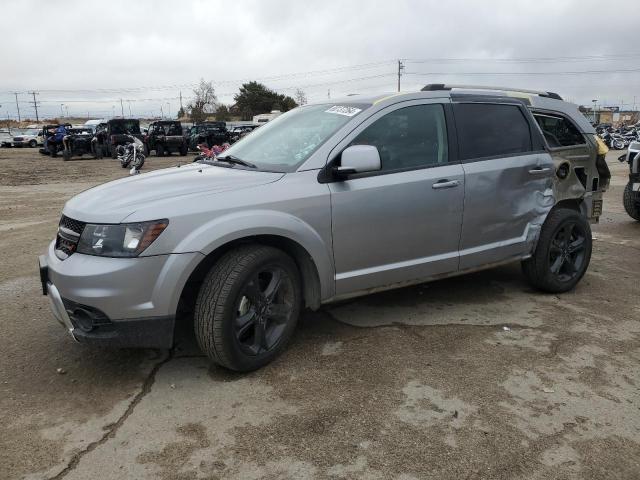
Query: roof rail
442, 86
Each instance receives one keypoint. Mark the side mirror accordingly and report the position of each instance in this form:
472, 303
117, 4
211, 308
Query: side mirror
358, 159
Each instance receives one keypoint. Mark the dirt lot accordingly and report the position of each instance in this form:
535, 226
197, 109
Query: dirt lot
423, 382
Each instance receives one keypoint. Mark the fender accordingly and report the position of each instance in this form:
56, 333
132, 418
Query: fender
237, 225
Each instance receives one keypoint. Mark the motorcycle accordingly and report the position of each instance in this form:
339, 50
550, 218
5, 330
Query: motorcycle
207, 153
613, 140
131, 154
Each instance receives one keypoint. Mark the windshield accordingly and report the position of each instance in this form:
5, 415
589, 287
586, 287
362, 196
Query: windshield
125, 126
284, 143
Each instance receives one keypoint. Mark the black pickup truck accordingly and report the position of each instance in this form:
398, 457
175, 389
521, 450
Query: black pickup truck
165, 137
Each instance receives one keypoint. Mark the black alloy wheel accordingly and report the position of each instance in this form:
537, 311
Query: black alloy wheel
567, 252
263, 310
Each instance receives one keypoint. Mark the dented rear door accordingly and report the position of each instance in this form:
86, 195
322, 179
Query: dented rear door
508, 182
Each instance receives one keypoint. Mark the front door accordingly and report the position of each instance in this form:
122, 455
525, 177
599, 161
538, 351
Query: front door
402, 223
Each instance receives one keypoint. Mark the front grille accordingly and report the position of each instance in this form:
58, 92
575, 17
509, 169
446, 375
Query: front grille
75, 225
69, 231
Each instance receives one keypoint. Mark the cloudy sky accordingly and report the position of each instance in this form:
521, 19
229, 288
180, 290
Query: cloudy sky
84, 56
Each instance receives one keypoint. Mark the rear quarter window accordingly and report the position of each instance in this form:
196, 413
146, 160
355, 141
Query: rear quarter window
558, 131
491, 130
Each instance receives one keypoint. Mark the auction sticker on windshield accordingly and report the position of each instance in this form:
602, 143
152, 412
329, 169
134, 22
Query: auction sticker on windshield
344, 110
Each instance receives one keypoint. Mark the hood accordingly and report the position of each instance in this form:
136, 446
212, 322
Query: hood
114, 201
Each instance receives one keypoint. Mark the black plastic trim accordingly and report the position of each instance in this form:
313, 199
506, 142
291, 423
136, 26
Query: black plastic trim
148, 332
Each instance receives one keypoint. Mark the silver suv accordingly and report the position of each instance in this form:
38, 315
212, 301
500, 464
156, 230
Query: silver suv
325, 202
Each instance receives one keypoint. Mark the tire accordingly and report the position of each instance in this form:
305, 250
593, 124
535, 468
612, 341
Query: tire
183, 151
112, 152
631, 201
159, 150
618, 144
139, 162
559, 248
227, 292
33, 144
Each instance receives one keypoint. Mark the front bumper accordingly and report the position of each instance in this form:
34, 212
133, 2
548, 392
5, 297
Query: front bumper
114, 301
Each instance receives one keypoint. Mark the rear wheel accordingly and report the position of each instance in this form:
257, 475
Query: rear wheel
159, 150
631, 201
248, 307
183, 150
563, 252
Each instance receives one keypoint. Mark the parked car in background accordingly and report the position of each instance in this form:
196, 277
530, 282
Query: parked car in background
117, 132
6, 139
209, 133
238, 131
165, 137
326, 202
631, 195
28, 137
78, 142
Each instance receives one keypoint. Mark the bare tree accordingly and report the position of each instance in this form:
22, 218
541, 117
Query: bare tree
300, 97
204, 101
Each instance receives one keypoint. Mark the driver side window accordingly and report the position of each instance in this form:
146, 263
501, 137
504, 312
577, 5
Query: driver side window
408, 138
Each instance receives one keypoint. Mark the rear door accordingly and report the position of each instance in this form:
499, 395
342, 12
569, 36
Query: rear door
403, 222
508, 181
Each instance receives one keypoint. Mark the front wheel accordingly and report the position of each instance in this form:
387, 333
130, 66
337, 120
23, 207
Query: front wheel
562, 254
618, 144
33, 144
248, 307
631, 201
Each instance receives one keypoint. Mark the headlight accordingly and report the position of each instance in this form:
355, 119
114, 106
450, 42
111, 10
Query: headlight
122, 240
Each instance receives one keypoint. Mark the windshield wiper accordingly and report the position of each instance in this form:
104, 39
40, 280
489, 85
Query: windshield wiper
236, 160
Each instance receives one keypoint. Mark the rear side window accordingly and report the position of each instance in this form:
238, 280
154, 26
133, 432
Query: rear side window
410, 137
558, 131
490, 130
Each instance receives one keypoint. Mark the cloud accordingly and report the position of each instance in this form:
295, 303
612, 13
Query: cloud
98, 53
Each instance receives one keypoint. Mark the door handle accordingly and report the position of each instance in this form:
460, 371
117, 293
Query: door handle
444, 183
539, 170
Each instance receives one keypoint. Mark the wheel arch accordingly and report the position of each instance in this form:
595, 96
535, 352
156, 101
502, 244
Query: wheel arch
311, 282
577, 204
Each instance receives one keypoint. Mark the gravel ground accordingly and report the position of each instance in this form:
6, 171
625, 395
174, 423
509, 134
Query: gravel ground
477, 377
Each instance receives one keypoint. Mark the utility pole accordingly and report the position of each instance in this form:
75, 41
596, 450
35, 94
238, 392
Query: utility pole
181, 100
17, 106
400, 70
329, 93
129, 103
35, 105
161, 112
121, 108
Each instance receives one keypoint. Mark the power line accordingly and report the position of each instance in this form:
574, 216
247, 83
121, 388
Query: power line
581, 72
